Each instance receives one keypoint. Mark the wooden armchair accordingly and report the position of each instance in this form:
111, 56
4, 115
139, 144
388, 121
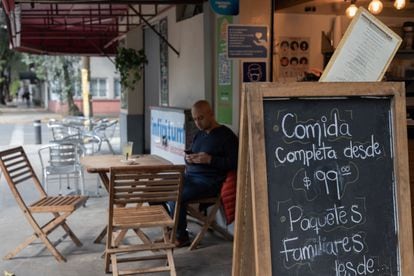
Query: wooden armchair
130, 189
18, 171
225, 200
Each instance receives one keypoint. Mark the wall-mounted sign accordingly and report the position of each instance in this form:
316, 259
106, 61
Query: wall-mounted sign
247, 41
225, 7
254, 71
224, 71
172, 131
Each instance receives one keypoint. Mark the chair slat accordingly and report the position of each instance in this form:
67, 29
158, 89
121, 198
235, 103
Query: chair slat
147, 182
58, 204
147, 195
139, 200
146, 176
14, 156
145, 188
15, 169
21, 173
20, 180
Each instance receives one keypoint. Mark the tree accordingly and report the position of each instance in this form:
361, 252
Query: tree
8, 58
62, 74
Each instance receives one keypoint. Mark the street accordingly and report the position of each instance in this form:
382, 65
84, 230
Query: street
16, 125
21, 134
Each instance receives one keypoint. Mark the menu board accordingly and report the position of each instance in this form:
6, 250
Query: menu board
323, 185
365, 51
331, 189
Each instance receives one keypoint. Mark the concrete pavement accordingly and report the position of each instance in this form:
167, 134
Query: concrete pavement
214, 257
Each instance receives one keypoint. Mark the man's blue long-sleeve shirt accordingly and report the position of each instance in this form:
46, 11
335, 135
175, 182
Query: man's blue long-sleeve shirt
222, 144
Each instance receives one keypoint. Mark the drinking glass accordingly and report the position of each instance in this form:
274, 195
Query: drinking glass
127, 149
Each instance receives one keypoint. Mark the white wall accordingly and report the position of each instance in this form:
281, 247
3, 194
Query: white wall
102, 67
135, 96
303, 25
186, 72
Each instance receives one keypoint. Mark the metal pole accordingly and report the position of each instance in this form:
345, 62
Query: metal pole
155, 31
37, 124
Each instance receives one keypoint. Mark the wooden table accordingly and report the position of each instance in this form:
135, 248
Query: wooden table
101, 165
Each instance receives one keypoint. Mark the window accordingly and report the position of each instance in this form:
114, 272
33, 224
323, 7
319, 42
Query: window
98, 87
117, 88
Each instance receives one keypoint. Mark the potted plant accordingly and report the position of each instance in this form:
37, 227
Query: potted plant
129, 63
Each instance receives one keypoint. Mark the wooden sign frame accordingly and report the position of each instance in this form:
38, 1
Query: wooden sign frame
377, 42
252, 252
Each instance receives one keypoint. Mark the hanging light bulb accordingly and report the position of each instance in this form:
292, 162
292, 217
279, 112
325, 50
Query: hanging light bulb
375, 7
351, 10
399, 4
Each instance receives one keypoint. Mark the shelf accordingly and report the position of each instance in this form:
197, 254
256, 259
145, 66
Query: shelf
400, 79
405, 52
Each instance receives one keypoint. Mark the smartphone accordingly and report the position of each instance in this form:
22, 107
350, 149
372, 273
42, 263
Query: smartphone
188, 151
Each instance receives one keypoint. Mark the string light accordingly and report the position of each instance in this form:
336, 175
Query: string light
399, 4
375, 7
351, 10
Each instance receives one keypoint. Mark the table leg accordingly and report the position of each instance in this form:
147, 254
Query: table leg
105, 181
101, 235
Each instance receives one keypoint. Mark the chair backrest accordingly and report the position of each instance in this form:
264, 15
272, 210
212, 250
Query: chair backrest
58, 129
59, 155
63, 155
17, 170
228, 196
103, 125
140, 184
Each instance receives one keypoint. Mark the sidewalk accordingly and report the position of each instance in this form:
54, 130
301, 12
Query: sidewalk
23, 114
214, 257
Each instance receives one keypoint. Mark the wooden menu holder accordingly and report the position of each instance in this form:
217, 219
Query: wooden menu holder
257, 220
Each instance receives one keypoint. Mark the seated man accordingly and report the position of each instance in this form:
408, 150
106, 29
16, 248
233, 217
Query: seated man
213, 153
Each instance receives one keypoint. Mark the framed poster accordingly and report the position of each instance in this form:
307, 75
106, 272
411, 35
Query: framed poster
164, 101
247, 41
293, 57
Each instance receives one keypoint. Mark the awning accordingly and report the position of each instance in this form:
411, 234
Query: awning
76, 27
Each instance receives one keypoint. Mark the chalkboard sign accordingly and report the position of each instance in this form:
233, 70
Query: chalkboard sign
331, 188
325, 169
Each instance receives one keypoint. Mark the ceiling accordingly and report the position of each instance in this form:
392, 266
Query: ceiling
338, 7
77, 27
94, 27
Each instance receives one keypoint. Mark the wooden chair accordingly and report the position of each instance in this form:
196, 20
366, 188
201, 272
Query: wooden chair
129, 189
206, 219
18, 172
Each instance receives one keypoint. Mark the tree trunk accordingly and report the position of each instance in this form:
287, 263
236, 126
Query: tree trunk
3, 84
2, 94
73, 108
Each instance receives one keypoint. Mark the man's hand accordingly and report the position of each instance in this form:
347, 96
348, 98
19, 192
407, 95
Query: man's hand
198, 158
